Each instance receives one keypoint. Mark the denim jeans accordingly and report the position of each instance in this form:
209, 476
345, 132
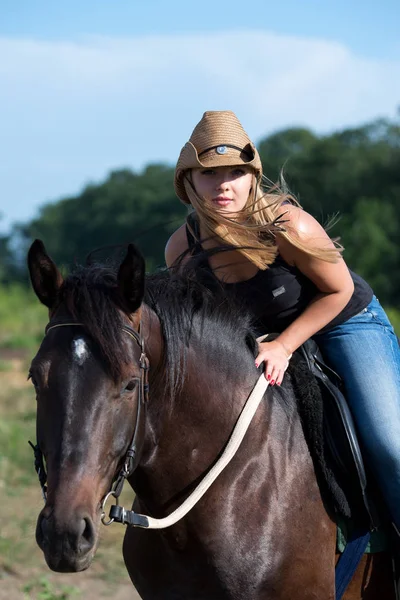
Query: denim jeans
365, 352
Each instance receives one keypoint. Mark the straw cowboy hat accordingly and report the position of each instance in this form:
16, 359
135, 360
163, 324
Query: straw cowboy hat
218, 140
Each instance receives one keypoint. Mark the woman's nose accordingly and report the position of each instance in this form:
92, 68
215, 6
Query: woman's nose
222, 183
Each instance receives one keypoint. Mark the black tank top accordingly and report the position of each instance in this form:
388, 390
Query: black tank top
277, 295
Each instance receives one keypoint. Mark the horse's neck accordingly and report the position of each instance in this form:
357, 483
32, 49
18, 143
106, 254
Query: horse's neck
211, 397
189, 442
184, 439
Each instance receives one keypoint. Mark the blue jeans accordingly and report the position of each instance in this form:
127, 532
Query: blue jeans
365, 352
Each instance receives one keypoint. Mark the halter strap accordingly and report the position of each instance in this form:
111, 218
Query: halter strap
54, 323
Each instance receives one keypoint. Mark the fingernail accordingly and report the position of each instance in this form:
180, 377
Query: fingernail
273, 382
257, 365
278, 383
268, 376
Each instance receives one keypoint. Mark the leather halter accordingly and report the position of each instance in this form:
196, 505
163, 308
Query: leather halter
130, 462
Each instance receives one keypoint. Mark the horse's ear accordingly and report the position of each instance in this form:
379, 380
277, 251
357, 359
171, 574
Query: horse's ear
45, 277
131, 279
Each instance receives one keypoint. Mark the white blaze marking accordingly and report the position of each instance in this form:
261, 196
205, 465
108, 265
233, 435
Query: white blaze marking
81, 351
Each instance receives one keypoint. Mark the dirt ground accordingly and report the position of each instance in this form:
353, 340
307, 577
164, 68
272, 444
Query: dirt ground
84, 586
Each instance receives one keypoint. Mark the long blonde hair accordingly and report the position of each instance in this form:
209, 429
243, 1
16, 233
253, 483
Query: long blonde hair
263, 216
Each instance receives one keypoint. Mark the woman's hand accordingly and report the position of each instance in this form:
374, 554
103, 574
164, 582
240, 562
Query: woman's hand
276, 359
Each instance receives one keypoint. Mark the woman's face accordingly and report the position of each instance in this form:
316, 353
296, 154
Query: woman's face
226, 188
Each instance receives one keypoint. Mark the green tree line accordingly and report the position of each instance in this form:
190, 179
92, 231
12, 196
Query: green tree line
354, 172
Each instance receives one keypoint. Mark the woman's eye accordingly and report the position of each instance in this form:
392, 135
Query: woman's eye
207, 172
238, 172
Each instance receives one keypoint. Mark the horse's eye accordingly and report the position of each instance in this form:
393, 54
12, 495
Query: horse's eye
131, 385
31, 377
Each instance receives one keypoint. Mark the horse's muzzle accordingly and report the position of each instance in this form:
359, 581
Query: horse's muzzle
68, 545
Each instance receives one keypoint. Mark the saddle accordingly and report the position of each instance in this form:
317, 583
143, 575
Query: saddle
340, 434
331, 435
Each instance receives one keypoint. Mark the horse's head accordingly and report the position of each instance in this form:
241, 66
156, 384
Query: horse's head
88, 377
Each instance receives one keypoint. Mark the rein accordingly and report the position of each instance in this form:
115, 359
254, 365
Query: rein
119, 514
129, 517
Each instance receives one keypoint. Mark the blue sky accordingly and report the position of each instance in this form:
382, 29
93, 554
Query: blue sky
366, 26
91, 86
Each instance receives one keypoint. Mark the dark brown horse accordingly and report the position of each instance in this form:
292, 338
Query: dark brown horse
261, 531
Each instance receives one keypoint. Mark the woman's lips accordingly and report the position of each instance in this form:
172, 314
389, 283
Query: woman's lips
222, 201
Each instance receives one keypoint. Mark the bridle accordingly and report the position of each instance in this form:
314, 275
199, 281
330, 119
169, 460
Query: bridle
131, 458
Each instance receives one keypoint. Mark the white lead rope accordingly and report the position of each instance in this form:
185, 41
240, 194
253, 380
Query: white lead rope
233, 444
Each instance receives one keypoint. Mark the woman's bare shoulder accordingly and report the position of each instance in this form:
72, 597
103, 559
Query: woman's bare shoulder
306, 229
304, 225
176, 245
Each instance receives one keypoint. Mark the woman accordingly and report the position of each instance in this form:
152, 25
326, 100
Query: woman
282, 264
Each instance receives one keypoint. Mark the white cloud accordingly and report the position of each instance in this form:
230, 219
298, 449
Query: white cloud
73, 110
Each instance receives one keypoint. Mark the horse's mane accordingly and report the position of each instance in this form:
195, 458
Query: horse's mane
189, 311
194, 314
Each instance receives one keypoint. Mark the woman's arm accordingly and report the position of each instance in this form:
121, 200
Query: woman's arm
333, 281
176, 245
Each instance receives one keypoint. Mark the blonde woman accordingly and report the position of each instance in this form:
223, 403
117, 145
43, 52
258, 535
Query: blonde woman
282, 264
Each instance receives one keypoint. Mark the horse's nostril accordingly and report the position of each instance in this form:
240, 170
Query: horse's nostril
87, 535
44, 527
